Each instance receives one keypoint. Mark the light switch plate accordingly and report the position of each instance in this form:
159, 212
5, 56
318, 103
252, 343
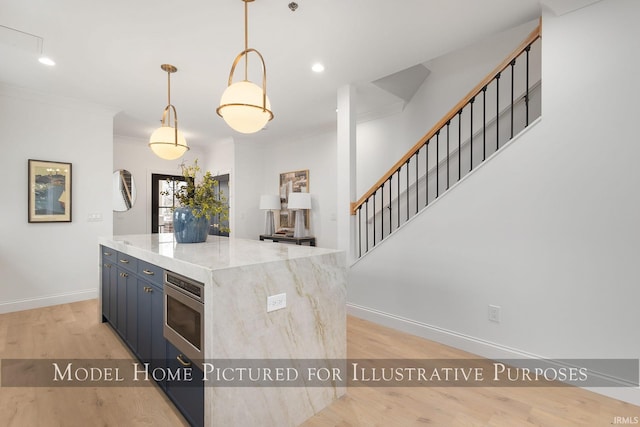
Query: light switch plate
94, 217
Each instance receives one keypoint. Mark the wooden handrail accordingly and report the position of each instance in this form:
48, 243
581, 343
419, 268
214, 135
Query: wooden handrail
535, 34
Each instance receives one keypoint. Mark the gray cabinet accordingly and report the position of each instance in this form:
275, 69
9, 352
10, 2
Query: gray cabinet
150, 306
109, 285
188, 396
133, 304
127, 300
127, 262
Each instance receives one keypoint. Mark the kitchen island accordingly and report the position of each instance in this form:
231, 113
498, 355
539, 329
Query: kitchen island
238, 276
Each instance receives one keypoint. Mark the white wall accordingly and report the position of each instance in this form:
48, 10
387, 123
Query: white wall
547, 230
250, 183
258, 168
135, 156
52, 263
220, 157
380, 142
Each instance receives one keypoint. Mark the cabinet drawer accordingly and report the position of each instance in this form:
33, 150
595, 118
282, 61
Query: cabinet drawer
188, 396
150, 272
128, 262
108, 254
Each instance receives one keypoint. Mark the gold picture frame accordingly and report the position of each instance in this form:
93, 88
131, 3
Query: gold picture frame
49, 191
296, 182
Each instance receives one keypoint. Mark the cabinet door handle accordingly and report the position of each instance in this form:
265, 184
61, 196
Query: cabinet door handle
107, 265
148, 289
148, 272
124, 261
106, 253
124, 275
182, 361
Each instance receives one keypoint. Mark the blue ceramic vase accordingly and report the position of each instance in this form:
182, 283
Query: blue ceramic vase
187, 228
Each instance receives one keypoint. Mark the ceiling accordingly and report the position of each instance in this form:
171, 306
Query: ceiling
110, 53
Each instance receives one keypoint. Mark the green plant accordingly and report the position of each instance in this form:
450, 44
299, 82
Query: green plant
202, 194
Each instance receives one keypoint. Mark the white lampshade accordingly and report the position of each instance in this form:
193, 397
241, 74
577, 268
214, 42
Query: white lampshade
162, 143
241, 107
299, 201
270, 202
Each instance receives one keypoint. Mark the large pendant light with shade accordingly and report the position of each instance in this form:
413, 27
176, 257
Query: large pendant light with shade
167, 142
244, 105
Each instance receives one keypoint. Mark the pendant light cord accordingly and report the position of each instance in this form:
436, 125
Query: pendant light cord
246, 40
169, 93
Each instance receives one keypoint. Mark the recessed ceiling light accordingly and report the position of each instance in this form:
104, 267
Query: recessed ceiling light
317, 67
46, 61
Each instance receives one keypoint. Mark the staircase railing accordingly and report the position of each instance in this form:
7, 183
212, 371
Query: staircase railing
471, 134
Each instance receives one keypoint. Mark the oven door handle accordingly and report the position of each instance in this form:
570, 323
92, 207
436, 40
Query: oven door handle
182, 361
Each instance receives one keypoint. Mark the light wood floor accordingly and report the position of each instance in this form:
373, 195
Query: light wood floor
456, 406
73, 331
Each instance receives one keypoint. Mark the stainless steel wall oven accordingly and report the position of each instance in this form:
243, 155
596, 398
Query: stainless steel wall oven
184, 315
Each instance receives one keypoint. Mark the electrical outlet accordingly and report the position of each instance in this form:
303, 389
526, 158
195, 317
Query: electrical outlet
494, 313
276, 302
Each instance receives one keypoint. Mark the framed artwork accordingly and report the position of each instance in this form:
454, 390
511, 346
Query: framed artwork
292, 182
49, 191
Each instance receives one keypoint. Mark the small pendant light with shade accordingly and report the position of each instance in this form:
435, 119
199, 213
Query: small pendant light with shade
167, 142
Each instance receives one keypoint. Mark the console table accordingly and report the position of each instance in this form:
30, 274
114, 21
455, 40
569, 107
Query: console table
296, 240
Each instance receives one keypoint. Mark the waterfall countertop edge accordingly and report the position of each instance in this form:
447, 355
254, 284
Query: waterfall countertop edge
198, 260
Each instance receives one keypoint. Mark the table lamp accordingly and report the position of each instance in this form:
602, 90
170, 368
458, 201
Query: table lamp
299, 202
269, 203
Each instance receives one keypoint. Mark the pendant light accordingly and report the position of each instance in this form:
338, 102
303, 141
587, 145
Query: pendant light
244, 105
167, 142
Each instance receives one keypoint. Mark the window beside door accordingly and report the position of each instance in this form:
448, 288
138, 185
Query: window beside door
162, 205
217, 222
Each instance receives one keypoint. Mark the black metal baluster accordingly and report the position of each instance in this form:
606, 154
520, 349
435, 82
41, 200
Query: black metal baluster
382, 212
407, 192
426, 162
390, 199
374, 217
448, 132
366, 225
526, 96
417, 163
359, 231
399, 169
437, 164
484, 123
471, 136
513, 64
459, 145
497, 111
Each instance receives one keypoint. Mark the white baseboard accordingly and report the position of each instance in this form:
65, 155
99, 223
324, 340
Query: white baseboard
64, 298
473, 345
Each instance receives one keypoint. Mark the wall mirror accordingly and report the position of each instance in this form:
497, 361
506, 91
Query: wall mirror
124, 190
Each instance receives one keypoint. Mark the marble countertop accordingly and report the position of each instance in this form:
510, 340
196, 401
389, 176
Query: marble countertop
240, 275
216, 253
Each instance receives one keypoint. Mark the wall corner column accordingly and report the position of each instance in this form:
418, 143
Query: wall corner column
346, 169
